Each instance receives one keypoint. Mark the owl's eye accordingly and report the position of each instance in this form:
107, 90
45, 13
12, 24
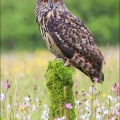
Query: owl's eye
56, 1
44, 1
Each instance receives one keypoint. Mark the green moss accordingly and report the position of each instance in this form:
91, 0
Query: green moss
59, 84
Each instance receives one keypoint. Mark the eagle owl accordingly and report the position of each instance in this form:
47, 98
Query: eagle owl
68, 38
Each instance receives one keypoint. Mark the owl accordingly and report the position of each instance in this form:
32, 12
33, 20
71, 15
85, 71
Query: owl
68, 38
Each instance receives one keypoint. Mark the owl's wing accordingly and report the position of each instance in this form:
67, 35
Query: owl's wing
70, 35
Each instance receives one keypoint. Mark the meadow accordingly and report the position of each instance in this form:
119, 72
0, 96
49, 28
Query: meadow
24, 94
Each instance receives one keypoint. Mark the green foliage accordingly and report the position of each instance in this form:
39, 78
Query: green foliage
59, 83
19, 30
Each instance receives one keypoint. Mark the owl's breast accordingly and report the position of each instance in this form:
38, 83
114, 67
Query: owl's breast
48, 39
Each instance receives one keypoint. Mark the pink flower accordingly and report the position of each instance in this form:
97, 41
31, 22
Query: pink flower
68, 106
75, 84
92, 89
118, 112
87, 94
95, 79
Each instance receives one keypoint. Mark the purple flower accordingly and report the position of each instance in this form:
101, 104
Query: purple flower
75, 84
68, 106
92, 89
118, 112
95, 79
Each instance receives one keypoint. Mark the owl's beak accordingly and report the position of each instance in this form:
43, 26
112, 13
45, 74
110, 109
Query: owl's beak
51, 5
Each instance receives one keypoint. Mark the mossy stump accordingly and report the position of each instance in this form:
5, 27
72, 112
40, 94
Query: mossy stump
60, 84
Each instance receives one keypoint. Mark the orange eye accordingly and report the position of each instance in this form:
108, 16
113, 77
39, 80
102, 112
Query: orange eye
56, 1
44, 1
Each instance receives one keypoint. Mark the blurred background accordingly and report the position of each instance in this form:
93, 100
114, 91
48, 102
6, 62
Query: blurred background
20, 32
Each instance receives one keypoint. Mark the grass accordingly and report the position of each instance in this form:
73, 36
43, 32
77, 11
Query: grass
25, 74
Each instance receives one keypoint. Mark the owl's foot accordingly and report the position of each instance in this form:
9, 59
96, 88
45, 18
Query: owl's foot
67, 63
62, 59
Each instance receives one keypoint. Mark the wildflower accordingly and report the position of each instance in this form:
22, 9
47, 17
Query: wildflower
35, 87
86, 116
83, 117
118, 97
95, 79
87, 103
18, 116
15, 104
77, 102
109, 98
98, 110
45, 115
26, 117
4, 84
104, 94
62, 118
33, 108
37, 100
68, 106
22, 106
105, 112
2, 97
87, 94
26, 99
99, 117
96, 103
75, 85
118, 112
117, 106
76, 92
92, 89
112, 110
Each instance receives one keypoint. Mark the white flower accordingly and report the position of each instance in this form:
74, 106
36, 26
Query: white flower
112, 110
77, 104
37, 100
89, 114
96, 103
27, 99
26, 117
15, 104
2, 97
18, 116
33, 108
98, 110
105, 112
83, 117
114, 100
110, 98
63, 118
86, 108
99, 117
92, 89
118, 98
8, 106
87, 103
27, 104
44, 115
117, 106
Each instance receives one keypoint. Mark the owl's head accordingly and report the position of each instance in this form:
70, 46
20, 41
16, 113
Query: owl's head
49, 5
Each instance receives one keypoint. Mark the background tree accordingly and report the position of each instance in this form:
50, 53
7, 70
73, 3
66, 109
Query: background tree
19, 30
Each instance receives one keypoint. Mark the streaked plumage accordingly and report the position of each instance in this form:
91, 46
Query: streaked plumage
68, 38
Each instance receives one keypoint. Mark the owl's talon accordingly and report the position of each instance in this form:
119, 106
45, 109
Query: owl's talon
67, 63
61, 59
